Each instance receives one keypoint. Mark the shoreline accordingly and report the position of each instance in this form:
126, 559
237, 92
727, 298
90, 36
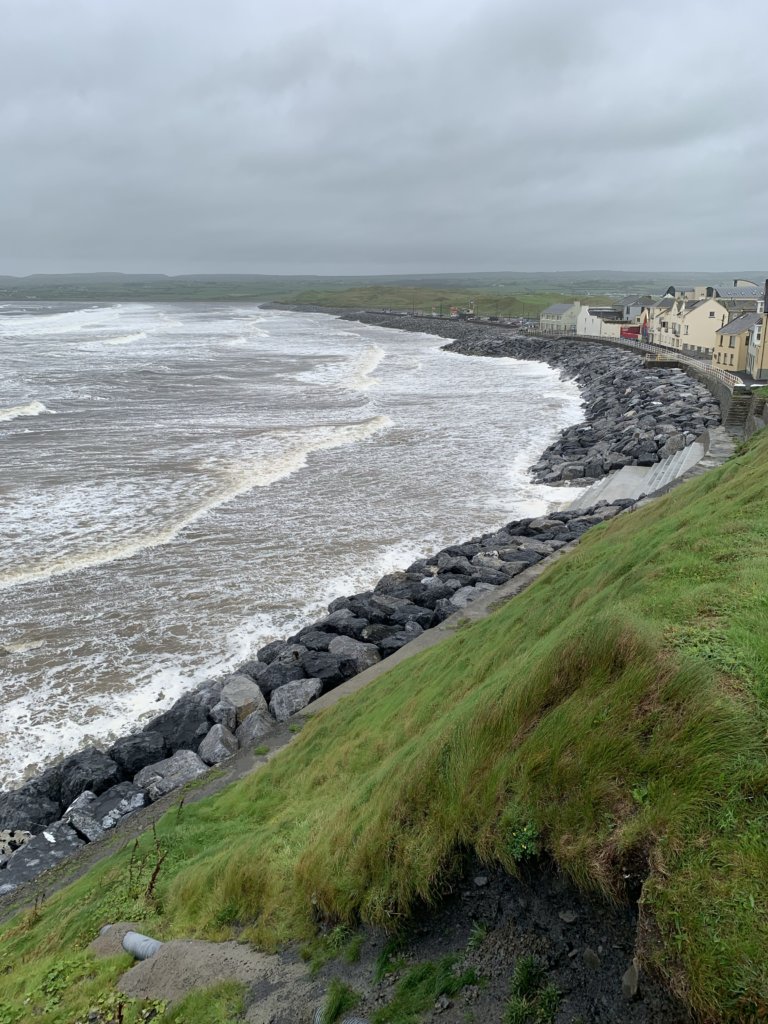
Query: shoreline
89, 791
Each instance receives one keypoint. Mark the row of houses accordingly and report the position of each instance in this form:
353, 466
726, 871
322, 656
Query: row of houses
726, 326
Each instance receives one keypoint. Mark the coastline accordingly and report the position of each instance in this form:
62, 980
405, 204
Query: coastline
222, 715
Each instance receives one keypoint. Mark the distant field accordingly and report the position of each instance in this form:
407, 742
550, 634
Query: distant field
425, 300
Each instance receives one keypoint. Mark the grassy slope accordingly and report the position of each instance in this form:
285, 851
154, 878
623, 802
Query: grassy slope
617, 708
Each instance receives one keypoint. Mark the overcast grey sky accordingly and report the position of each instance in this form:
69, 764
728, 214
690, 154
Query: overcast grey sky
323, 136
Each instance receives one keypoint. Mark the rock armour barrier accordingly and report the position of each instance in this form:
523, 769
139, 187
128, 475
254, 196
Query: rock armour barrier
77, 800
635, 414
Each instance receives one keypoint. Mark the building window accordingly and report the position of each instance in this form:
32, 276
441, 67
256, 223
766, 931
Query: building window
712, 313
731, 343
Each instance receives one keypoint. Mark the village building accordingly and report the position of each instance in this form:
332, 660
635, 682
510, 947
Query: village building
598, 322
559, 318
688, 326
734, 341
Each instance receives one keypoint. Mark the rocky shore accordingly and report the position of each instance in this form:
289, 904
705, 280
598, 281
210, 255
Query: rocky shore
633, 414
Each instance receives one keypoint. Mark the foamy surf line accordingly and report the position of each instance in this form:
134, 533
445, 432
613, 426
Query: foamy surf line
16, 412
235, 478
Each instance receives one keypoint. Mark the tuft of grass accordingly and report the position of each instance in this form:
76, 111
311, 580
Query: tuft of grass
390, 958
261, 750
477, 935
528, 976
338, 1000
419, 989
617, 710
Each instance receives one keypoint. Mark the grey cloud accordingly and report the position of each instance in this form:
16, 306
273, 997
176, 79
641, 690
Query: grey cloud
299, 136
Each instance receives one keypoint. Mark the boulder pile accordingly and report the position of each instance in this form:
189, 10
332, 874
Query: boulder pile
77, 800
635, 415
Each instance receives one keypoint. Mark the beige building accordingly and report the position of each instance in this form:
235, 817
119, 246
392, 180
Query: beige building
732, 348
688, 326
559, 318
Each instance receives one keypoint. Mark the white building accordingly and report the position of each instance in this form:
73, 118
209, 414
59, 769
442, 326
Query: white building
559, 318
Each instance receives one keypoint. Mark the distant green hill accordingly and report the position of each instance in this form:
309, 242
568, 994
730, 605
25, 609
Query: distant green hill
613, 715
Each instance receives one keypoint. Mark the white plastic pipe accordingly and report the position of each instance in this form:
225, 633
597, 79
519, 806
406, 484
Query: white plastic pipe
141, 947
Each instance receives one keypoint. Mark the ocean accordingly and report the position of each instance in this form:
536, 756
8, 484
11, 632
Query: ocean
180, 484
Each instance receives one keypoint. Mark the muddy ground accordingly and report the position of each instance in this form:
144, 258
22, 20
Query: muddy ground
490, 921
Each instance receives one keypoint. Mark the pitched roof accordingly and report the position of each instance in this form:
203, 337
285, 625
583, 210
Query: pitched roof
740, 293
666, 303
558, 307
745, 322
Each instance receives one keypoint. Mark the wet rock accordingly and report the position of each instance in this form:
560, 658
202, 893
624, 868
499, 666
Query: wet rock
218, 745
172, 773
88, 769
293, 697
314, 639
134, 752
324, 666
28, 809
185, 724
354, 656
253, 669
279, 673
344, 622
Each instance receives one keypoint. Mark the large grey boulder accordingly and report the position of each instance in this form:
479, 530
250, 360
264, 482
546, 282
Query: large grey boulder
91, 815
87, 769
244, 695
165, 776
185, 724
132, 753
218, 745
293, 697
28, 809
279, 673
354, 655
224, 714
343, 622
53, 845
324, 666
256, 726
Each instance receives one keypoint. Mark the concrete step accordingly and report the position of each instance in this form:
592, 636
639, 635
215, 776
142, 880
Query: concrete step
633, 481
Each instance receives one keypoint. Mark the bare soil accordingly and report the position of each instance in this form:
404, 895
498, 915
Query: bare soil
489, 921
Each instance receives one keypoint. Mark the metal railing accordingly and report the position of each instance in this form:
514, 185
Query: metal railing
731, 381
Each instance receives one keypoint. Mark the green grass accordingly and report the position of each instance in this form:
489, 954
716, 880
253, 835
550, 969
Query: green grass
419, 990
338, 1000
422, 299
614, 714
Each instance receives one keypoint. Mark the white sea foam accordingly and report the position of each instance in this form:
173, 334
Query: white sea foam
234, 477
16, 412
126, 339
361, 376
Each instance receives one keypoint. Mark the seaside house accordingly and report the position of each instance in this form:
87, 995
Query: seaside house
598, 322
559, 318
632, 307
734, 341
688, 326
757, 351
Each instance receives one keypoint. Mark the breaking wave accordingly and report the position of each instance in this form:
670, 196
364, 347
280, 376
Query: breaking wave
233, 478
16, 412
